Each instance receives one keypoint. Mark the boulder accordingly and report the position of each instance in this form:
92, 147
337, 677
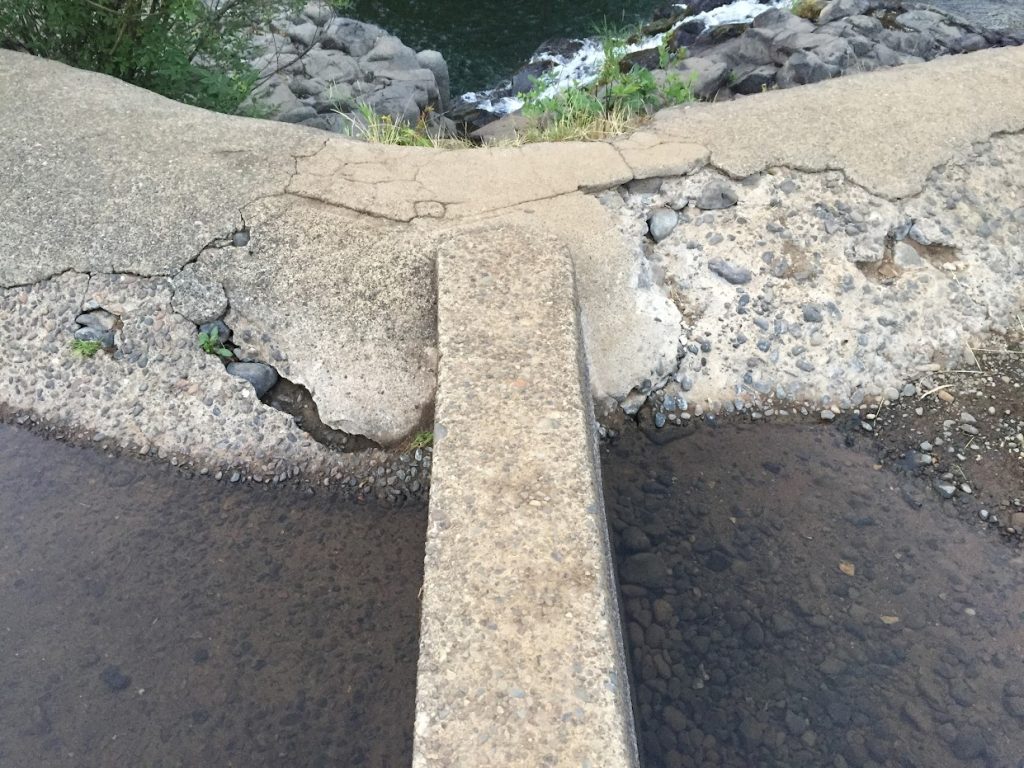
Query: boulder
330, 66
304, 35
402, 101
708, 75
319, 12
837, 53
840, 9
434, 61
297, 114
754, 80
355, 38
390, 53
803, 68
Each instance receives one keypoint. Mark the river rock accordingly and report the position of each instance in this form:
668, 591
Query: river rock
661, 223
645, 569
260, 375
716, 195
730, 272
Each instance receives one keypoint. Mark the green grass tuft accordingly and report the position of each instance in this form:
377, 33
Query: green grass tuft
84, 348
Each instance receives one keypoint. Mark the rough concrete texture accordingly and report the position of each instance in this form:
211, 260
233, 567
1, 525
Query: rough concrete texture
520, 653
354, 323
886, 130
125, 180
129, 182
159, 394
847, 293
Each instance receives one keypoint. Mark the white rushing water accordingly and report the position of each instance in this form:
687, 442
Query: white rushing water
584, 66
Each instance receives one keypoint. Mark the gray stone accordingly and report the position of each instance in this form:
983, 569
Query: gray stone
304, 35
297, 114
839, 9
756, 80
319, 12
709, 76
661, 223
730, 272
811, 314
356, 38
99, 319
645, 569
906, 256
392, 52
86, 333
716, 195
403, 102
803, 68
197, 296
330, 66
260, 375
434, 61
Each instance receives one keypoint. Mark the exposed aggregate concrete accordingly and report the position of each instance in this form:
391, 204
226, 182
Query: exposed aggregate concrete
158, 394
812, 289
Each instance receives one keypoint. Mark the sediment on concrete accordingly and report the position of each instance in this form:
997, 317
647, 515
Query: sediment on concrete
521, 660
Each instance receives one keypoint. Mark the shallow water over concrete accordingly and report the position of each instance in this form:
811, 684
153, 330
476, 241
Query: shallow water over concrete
790, 604
149, 619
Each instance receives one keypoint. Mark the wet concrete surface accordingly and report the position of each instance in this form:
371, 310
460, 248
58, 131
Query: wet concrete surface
790, 602
149, 619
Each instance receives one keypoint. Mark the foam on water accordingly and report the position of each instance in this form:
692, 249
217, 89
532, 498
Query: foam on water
584, 66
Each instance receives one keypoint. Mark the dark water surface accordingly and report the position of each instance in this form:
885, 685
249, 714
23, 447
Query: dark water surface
818, 612
151, 620
485, 41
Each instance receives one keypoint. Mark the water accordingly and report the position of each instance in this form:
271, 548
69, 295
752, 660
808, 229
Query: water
485, 41
820, 611
148, 619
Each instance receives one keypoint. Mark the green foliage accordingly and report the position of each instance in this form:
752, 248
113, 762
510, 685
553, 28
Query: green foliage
421, 440
211, 344
616, 99
85, 348
807, 9
382, 129
188, 50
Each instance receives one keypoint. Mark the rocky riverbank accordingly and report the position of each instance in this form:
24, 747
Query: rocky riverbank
769, 48
317, 68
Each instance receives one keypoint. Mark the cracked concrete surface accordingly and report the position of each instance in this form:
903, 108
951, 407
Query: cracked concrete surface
128, 182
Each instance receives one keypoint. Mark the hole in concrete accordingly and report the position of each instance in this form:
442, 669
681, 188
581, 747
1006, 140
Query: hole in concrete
295, 400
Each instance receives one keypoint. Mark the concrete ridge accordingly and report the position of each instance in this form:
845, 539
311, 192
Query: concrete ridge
521, 656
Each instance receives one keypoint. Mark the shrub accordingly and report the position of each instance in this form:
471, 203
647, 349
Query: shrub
192, 51
611, 104
807, 9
